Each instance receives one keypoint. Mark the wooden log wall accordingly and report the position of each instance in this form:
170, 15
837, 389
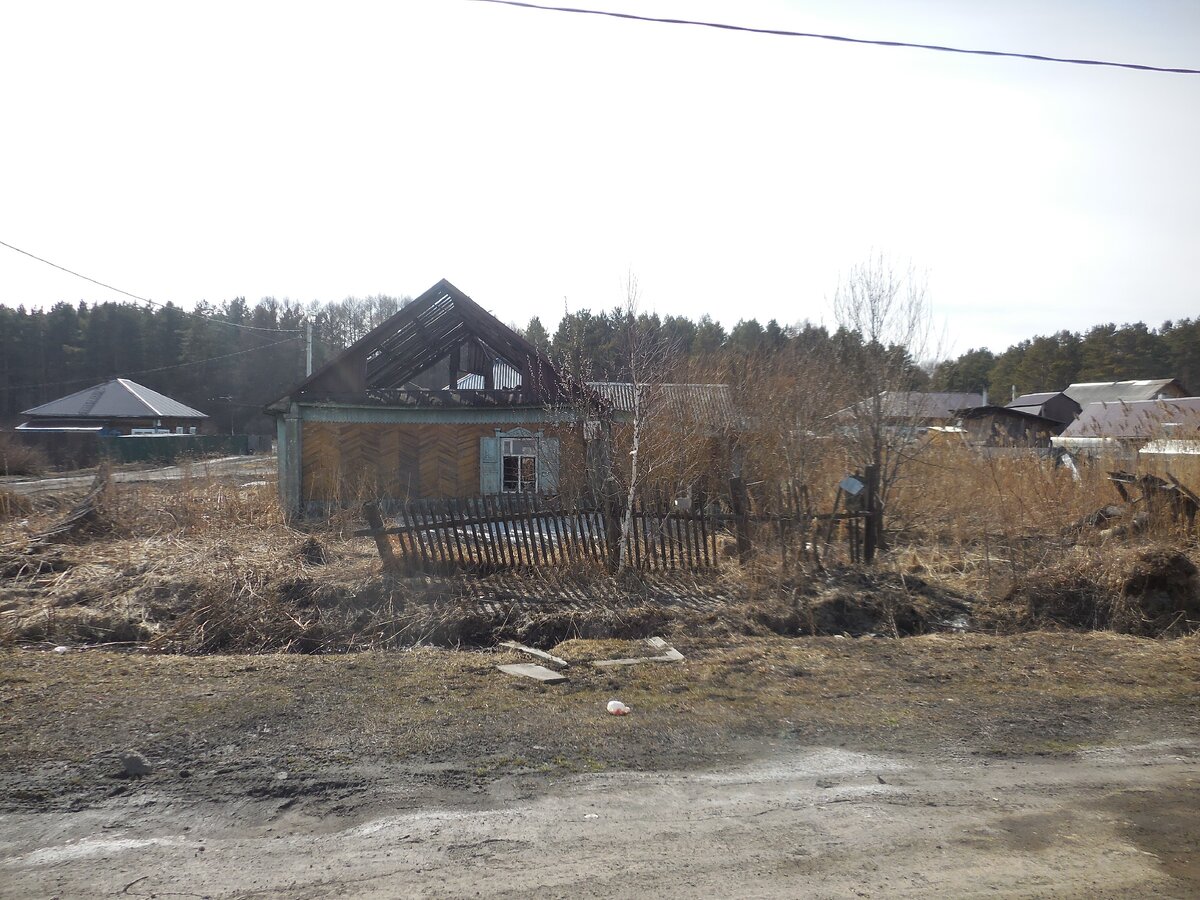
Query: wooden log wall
349, 463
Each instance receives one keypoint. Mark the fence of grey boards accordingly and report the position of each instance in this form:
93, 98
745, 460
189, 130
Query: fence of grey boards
521, 531
504, 532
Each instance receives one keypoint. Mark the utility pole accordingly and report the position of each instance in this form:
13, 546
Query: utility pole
308, 346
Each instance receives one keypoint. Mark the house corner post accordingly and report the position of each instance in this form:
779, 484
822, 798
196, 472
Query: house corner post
289, 462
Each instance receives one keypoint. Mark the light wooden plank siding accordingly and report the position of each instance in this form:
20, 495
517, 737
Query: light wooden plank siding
352, 462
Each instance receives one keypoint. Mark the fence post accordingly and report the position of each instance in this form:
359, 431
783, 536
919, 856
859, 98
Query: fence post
382, 542
873, 518
611, 507
741, 513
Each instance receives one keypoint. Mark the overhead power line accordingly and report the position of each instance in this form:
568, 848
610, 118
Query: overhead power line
194, 362
779, 32
147, 299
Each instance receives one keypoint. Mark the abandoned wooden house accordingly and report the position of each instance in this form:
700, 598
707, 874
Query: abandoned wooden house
361, 427
504, 421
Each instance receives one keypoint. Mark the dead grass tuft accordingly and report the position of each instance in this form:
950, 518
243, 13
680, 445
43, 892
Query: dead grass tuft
18, 458
1152, 591
13, 506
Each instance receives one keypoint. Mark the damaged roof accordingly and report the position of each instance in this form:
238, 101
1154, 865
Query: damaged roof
442, 326
1053, 405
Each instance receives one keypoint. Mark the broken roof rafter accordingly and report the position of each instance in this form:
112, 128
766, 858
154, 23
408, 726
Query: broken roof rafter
419, 336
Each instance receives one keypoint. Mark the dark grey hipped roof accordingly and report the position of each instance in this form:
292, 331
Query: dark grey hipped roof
117, 399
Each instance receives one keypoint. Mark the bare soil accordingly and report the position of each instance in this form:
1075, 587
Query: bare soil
1030, 765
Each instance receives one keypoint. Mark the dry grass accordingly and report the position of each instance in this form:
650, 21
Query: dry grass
18, 458
982, 525
206, 565
13, 506
1149, 590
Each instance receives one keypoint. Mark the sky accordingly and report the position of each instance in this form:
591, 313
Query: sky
190, 152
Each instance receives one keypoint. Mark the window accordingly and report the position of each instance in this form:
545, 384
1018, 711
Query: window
518, 461
519, 467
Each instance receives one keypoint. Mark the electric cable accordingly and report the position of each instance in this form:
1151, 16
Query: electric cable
780, 32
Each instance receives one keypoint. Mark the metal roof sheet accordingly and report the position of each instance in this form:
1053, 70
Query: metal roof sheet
1142, 419
708, 404
1087, 392
504, 377
1033, 399
116, 399
916, 405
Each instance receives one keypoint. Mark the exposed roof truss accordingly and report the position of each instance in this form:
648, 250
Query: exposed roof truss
441, 324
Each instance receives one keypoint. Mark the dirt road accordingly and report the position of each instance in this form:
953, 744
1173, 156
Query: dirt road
1037, 765
822, 822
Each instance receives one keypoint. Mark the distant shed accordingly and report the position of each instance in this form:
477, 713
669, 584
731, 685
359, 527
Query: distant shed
1000, 426
919, 409
1053, 405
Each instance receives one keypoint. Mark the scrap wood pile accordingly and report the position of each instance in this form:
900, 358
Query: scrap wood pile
1145, 499
42, 552
87, 518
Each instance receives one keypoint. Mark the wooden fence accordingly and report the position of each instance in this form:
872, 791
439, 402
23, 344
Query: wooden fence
524, 531
517, 531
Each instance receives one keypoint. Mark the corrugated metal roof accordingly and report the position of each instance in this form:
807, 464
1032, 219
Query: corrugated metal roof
116, 399
504, 378
917, 405
708, 404
1140, 420
1087, 392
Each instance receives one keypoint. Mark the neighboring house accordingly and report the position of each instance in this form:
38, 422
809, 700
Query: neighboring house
913, 409
118, 407
1055, 406
1124, 427
1125, 391
1028, 421
704, 409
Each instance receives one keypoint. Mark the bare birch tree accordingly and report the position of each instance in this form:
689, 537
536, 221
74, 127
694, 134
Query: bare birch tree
888, 312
